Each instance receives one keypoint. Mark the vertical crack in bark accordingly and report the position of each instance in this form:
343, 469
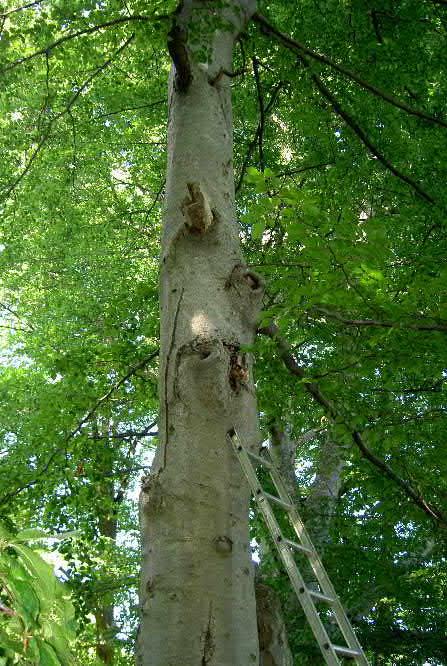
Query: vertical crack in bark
167, 366
209, 645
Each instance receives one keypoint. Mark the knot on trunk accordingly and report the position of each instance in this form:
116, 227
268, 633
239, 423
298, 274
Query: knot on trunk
202, 373
223, 545
247, 288
151, 495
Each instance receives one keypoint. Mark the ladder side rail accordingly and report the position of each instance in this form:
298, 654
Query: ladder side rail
295, 577
308, 606
317, 566
297, 524
329, 590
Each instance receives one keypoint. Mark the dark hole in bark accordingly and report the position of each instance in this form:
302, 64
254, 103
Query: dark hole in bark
150, 588
253, 280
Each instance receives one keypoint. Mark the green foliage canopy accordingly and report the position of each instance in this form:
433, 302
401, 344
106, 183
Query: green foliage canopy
340, 158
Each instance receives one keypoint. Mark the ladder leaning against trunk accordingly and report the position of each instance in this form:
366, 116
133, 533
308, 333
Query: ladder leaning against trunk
307, 596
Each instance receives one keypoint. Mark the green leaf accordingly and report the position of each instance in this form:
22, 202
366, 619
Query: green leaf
41, 571
258, 229
30, 534
48, 656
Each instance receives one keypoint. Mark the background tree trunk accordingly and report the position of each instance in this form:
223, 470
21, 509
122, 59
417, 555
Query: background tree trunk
105, 627
273, 644
197, 592
321, 503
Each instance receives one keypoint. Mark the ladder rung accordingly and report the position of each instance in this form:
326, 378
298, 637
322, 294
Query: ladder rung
259, 459
346, 652
320, 596
279, 501
297, 546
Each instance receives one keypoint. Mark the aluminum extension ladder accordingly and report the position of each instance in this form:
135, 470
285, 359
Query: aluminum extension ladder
306, 596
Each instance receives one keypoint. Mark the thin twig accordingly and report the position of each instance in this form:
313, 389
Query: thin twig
20, 9
261, 112
132, 108
80, 33
44, 138
115, 387
254, 141
376, 323
125, 478
29, 327
293, 172
155, 201
8, 496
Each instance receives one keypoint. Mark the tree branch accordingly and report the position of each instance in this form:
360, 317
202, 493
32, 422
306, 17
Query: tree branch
297, 47
378, 324
314, 390
293, 172
125, 478
141, 364
261, 112
29, 327
115, 387
127, 434
255, 139
20, 9
349, 120
132, 108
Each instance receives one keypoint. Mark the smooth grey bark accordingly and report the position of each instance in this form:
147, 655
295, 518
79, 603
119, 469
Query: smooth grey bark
322, 499
273, 644
197, 590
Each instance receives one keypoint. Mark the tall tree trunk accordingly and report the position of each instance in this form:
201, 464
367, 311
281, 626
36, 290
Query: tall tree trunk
197, 591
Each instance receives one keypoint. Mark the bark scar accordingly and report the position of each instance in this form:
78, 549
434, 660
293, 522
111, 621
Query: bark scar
241, 274
197, 211
238, 372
